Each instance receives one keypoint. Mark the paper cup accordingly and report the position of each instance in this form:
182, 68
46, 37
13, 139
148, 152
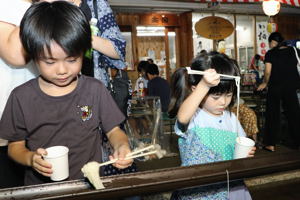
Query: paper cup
58, 157
243, 146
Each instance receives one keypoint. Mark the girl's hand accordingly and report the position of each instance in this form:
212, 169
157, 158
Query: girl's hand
252, 152
120, 154
211, 78
39, 164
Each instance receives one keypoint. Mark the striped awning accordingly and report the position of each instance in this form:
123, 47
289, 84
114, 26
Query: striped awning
289, 2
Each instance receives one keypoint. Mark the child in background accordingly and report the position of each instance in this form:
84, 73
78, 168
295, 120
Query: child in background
60, 107
141, 84
206, 128
255, 67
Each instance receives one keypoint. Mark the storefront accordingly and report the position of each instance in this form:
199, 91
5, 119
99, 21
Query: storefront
171, 41
170, 37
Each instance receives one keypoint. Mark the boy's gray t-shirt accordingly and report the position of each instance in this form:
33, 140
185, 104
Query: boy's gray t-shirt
72, 120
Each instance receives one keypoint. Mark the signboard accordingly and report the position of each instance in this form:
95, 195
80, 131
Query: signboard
215, 28
262, 38
154, 19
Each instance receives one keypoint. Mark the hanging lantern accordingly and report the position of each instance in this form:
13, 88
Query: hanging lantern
271, 7
272, 27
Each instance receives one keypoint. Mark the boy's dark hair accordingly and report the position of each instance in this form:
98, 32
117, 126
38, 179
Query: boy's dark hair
276, 36
60, 22
181, 82
142, 66
152, 69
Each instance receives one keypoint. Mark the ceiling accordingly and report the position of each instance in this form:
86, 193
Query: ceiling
142, 6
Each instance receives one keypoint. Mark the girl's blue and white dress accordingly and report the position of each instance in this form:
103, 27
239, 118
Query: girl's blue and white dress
210, 139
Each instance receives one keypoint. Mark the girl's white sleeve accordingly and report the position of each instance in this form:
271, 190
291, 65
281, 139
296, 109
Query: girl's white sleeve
12, 11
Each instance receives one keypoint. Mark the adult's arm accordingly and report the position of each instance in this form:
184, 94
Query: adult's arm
11, 49
110, 42
268, 69
105, 47
11, 13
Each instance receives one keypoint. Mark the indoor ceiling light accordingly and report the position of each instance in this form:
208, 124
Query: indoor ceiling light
271, 7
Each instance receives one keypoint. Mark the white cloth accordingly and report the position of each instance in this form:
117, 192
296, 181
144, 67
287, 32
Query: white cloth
12, 11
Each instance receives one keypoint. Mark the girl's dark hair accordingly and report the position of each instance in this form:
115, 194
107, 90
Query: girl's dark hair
181, 82
60, 22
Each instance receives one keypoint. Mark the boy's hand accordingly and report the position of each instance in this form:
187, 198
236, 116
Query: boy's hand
120, 154
211, 78
39, 164
252, 152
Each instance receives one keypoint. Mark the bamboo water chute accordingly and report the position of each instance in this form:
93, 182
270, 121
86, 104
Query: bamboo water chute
156, 181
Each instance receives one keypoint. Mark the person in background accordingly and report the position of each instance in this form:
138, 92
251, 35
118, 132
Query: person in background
141, 84
71, 114
255, 67
206, 128
150, 61
282, 79
14, 71
120, 90
109, 45
203, 52
158, 86
255, 63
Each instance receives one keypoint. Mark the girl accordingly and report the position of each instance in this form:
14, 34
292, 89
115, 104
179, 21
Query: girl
283, 81
206, 128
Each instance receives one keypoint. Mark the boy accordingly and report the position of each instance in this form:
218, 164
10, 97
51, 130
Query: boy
158, 86
60, 107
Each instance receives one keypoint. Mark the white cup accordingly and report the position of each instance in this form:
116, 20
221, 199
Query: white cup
58, 157
243, 146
